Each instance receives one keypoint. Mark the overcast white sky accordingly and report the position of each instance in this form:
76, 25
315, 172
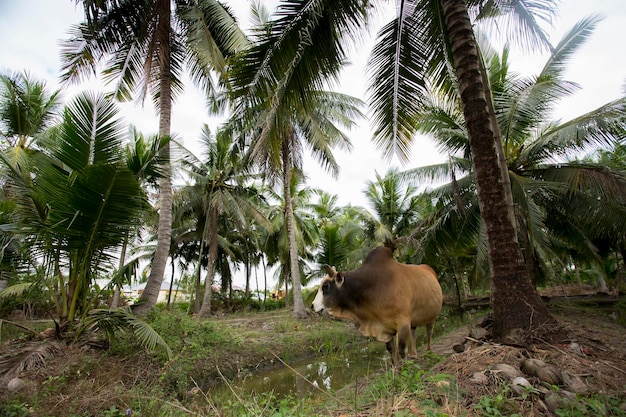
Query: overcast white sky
30, 31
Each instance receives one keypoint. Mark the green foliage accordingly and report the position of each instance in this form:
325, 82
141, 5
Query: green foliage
182, 331
15, 409
114, 412
122, 319
500, 405
598, 405
266, 404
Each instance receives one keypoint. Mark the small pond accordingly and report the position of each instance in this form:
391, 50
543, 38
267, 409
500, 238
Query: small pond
334, 371
311, 375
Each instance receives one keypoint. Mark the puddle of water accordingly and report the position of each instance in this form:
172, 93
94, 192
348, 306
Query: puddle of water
333, 371
308, 376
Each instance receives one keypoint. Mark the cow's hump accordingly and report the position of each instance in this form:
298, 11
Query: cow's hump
379, 255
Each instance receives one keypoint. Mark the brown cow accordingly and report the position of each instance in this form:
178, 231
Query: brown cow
384, 298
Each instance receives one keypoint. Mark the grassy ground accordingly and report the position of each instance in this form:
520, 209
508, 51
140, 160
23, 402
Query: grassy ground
93, 378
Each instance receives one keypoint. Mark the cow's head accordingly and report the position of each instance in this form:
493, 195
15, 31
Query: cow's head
325, 297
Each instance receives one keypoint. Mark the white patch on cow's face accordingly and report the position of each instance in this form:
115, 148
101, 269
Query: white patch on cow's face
318, 302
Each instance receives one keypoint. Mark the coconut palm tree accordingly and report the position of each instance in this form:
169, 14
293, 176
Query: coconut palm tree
560, 202
222, 187
279, 96
396, 208
146, 46
431, 44
343, 242
79, 201
27, 110
278, 245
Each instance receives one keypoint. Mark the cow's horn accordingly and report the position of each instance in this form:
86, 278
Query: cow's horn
330, 270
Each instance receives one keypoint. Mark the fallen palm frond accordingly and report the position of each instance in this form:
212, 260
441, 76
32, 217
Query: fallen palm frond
32, 355
122, 319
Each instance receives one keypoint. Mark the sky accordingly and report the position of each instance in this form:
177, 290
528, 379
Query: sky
30, 31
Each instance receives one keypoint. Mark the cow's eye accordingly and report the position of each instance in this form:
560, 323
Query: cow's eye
325, 287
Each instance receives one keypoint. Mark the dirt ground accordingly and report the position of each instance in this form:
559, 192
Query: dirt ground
590, 363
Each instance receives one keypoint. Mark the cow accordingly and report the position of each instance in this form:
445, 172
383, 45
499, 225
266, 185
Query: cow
384, 299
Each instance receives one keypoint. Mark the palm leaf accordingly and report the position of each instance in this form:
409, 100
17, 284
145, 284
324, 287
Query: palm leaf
397, 85
31, 356
212, 35
90, 133
16, 290
122, 319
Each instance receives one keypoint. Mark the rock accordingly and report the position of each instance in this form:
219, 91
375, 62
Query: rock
50, 332
574, 383
554, 400
459, 348
507, 371
478, 333
15, 384
550, 374
576, 348
521, 386
532, 366
479, 378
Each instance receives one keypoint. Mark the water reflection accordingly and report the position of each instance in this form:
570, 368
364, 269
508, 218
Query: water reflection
335, 371
309, 376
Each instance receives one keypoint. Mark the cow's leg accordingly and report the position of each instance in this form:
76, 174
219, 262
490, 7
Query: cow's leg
429, 333
413, 343
393, 350
404, 334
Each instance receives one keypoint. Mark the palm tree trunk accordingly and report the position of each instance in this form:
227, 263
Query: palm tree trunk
205, 310
169, 293
198, 275
150, 295
516, 303
203, 239
299, 311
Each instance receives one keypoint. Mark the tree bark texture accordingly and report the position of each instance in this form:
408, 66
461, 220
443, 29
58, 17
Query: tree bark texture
299, 310
211, 239
150, 295
516, 303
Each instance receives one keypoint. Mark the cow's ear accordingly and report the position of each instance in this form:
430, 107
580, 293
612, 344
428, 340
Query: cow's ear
330, 270
339, 279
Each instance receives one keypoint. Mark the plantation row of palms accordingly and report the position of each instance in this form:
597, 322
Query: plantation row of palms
516, 200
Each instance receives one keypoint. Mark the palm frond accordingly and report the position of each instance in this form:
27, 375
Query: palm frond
16, 290
397, 86
603, 127
122, 319
569, 45
33, 355
212, 35
521, 19
90, 133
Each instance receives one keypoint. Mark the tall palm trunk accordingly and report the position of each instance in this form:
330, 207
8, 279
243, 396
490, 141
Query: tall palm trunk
299, 311
211, 239
150, 294
203, 239
516, 303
